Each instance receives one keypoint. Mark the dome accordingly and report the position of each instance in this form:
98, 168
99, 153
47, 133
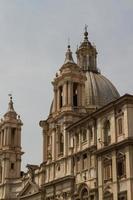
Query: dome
98, 90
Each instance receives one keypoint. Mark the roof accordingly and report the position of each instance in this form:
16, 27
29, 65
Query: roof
127, 98
99, 91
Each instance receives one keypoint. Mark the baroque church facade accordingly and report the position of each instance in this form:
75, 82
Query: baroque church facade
87, 139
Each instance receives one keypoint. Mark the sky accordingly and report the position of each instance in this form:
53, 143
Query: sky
33, 41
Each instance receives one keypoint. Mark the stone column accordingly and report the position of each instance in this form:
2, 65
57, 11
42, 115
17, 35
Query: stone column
70, 84
80, 140
88, 137
58, 100
53, 145
65, 141
19, 137
83, 95
128, 172
44, 146
9, 136
16, 137
4, 132
100, 178
0, 139
79, 95
55, 100
114, 175
65, 93
74, 145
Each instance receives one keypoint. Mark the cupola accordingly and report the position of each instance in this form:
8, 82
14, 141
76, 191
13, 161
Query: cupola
87, 55
98, 89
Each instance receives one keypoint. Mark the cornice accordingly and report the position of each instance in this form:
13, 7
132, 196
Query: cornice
125, 99
66, 178
115, 146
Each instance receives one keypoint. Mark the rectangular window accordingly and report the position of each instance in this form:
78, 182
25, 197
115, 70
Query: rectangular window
122, 196
78, 164
120, 126
92, 161
75, 94
0, 173
107, 172
84, 135
92, 197
85, 161
91, 133
60, 96
48, 140
12, 165
120, 168
77, 139
13, 132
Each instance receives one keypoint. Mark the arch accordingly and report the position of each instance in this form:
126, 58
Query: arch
83, 192
108, 195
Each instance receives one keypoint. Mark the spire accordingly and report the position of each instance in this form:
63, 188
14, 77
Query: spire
69, 58
10, 104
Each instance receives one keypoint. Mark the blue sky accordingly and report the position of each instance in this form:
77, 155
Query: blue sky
33, 41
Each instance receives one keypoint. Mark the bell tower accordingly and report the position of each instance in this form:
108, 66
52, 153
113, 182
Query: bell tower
69, 86
68, 106
10, 148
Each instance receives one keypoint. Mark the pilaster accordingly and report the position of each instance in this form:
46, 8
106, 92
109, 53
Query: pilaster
114, 176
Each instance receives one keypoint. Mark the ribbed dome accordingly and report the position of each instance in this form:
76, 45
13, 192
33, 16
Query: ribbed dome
98, 90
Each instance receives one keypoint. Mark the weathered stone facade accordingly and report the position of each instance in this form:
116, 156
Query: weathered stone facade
87, 139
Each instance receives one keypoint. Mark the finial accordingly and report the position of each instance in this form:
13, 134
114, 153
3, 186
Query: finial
69, 57
10, 95
86, 33
68, 41
86, 26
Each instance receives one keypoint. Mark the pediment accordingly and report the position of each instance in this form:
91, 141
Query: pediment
29, 189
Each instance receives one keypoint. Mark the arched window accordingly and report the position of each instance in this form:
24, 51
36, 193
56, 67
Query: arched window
60, 96
106, 129
84, 194
75, 94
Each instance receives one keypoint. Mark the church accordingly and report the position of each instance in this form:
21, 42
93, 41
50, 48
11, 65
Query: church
87, 139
